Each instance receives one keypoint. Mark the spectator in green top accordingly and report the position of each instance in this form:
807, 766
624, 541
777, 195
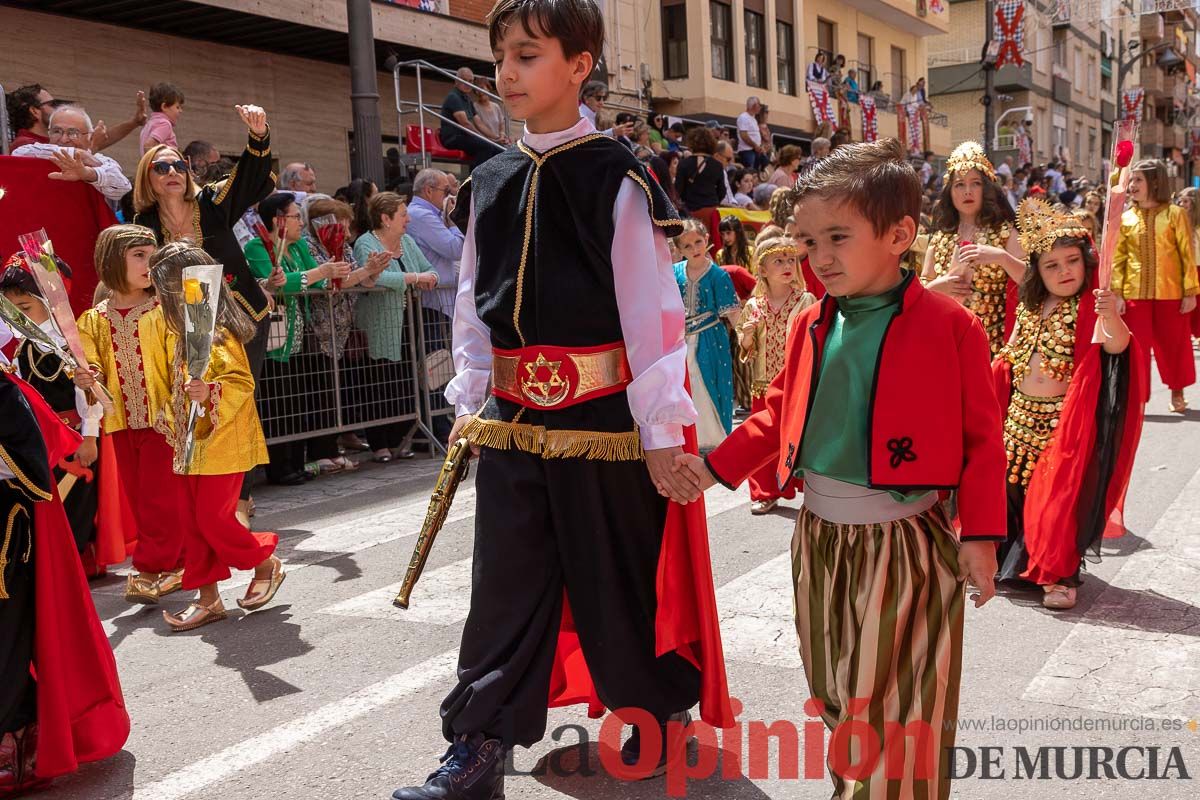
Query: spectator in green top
283, 405
391, 378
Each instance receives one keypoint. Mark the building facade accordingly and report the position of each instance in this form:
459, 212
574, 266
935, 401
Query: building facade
703, 58
289, 56
1078, 58
695, 59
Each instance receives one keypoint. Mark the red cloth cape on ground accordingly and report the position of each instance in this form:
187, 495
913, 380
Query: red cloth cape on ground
81, 711
686, 620
72, 213
1059, 492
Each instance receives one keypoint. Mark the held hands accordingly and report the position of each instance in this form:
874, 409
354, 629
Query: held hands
977, 563
624, 129
197, 390
87, 453
277, 278
1186, 306
671, 475
255, 119
377, 262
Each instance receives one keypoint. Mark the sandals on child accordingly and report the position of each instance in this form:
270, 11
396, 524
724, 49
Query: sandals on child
195, 616
262, 590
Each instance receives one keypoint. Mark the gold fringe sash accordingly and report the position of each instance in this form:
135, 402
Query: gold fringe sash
595, 445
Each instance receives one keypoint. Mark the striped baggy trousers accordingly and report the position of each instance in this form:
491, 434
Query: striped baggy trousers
879, 613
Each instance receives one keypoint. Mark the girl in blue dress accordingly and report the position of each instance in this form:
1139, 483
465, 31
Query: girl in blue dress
709, 300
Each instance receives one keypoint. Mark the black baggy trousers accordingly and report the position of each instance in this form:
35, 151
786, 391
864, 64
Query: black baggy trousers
593, 528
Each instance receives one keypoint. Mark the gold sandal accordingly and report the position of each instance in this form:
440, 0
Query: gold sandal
195, 616
257, 599
1178, 407
141, 591
170, 582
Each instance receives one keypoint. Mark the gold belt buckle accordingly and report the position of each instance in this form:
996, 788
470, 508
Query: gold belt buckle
548, 392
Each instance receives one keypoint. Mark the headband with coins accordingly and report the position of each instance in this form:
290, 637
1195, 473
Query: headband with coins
968, 156
1041, 226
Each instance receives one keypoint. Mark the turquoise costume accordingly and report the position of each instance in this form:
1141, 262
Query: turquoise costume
705, 301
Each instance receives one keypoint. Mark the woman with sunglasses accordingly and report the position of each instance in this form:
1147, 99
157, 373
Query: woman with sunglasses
658, 124
168, 201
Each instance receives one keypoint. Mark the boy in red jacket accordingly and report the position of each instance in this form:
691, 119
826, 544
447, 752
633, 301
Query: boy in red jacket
879, 569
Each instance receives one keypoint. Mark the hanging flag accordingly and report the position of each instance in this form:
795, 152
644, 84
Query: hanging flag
822, 108
1009, 32
1131, 104
912, 114
1024, 148
870, 124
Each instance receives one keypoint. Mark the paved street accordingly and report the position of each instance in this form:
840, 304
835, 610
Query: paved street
333, 693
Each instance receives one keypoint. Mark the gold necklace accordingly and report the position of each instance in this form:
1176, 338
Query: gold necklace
1051, 336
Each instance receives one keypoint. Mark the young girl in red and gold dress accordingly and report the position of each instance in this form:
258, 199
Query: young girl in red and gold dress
228, 443
119, 334
1074, 409
766, 320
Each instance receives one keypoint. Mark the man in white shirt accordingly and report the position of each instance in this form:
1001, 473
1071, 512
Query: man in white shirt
70, 133
749, 143
724, 154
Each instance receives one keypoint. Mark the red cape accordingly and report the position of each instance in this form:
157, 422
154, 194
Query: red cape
812, 282
81, 711
1060, 491
72, 213
686, 621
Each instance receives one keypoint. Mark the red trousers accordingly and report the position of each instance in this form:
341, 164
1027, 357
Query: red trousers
215, 540
1158, 324
156, 495
762, 483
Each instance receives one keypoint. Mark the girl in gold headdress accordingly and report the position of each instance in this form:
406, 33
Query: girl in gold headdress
766, 320
1155, 274
974, 253
1073, 416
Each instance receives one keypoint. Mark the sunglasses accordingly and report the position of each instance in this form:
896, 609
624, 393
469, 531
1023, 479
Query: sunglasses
165, 167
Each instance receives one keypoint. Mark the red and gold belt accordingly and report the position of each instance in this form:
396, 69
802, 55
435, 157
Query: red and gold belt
547, 377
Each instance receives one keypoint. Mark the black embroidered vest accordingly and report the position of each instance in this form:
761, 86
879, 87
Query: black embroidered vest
543, 242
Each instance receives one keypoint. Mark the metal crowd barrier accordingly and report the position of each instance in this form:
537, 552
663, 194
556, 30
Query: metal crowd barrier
331, 382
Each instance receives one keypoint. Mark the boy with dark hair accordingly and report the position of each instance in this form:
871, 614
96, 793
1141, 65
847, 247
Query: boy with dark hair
879, 597
166, 106
580, 333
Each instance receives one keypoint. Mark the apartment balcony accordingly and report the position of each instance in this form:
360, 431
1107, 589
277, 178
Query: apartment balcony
911, 16
947, 74
1158, 83
1151, 28
1152, 132
1061, 86
1171, 136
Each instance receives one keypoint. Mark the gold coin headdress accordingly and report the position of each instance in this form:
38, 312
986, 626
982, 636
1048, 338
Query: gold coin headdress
1041, 226
968, 156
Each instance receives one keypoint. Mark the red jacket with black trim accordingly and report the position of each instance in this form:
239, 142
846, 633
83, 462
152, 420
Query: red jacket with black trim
935, 421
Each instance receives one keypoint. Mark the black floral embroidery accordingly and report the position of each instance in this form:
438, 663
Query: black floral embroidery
787, 462
901, 450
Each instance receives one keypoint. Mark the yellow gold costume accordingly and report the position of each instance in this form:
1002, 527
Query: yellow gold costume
1154, 259
117, 344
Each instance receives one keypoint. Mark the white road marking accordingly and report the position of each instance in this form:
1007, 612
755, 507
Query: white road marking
441, 596
1104, 661
243, 755
220, 766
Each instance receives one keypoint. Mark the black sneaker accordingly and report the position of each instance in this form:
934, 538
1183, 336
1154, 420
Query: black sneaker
631, 751
472, 769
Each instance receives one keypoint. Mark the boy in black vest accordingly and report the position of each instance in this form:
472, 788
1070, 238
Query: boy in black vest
568, 305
